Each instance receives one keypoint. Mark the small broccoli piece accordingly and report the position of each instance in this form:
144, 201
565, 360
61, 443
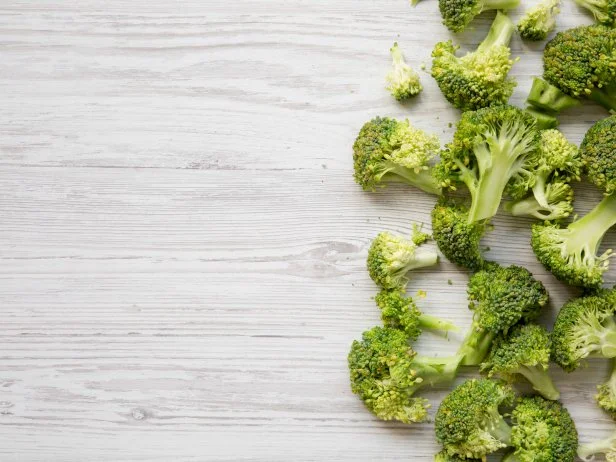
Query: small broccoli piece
469, 423
456, 238
597, 152
444, 457
606, 393
387, 150
606, 446
604, 11
542, 431
490, 147
500, 297
559, 199
539, 20
391, 257
403, 82
480, 78
585, 327
524, 351
400, 312
458, 14
386, 373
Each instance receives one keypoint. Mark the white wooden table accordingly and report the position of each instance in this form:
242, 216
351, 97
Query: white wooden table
182, 244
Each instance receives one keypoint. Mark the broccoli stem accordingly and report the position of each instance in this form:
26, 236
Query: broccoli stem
528, 207
422, 179
434, 323
420, 260
499, 429
545, 120
475, 346
436, 371
597, 447
605, 96
396, 54
541, 381
549, 98
500, 4
511, 457
500, 32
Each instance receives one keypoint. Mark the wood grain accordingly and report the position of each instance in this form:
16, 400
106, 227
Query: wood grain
182, 250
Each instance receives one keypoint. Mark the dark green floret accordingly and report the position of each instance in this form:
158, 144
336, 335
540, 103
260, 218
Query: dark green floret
604, 11
458, 14
539, 20
402, 81
598, 151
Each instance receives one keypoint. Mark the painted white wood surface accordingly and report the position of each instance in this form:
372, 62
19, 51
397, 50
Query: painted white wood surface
182, 244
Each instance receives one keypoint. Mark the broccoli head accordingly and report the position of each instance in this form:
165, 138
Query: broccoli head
458, 14
391, 257
469, 423
606, 393
480, 78
539, 20
604, 11
524, 351
402, 81
597, 152
491, 147
386, 373
388, 150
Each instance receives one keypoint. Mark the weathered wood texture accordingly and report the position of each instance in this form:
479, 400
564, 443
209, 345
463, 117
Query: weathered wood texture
182, 244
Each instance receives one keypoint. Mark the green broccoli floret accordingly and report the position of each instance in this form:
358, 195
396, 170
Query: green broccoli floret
606, 393
500, 297
547, 101
490, 147
387, 150
386, 373
469, 422
457, 239
402, 81
524, 351
553, 166
391, 257
542, 431
480, 78
604, 11
585, 327
458, 14
571, 253
400, 312
539, 20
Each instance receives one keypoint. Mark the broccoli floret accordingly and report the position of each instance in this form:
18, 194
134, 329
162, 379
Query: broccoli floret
597, 152
500, 297
386, 373
553, 166
388, 150
585, 327
581, 63
604, 11
469, 422
547, 101
458, 14
542, 431
400, 312
402, 81
490, 147
606, 393
524, 351
391, 257
605, 446
457, 239
539, 20
444, 457
480, 78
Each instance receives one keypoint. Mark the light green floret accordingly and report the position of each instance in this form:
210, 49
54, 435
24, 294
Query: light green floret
523, 352
604, 11
480, 78
458, 14
402, 81
539, 20
386, 373
387, 150
606, 446
391, 257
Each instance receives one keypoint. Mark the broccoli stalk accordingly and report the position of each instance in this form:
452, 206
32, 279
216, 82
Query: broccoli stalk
557, 198
605, 446
403, 81
605, 96
458, 14
604, 11
548, 98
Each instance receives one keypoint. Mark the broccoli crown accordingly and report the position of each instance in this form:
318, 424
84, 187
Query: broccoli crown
584, 327
456, 238
391, 257
480, 78
542, 431
557, 203
402, 81
604, 11
468, 422
501, 297
490, 147
458, 14
597, 151
539, 20
606, 393
390, 150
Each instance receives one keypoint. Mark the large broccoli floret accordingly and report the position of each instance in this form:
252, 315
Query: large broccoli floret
585, 327
391, 257
547, 101
386, 373
553, 167
402, 81
490, 147
542, 431
500, 297
597, 152
457, 239
480, 78
604, 11
524, 351
458, 14
400, 312
539, 20
606, 393
388, 150
469, 422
